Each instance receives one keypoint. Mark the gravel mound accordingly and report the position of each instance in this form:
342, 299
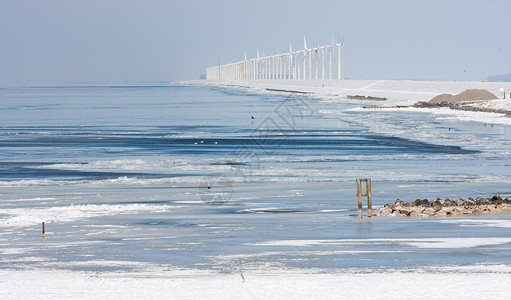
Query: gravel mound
468, 95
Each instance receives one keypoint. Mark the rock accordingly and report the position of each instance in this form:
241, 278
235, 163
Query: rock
497, 197
444, 207
506, 207
447, 209
487, 208
437, 207
441, 213
396, 214
498, 202
417, 202
429, 211
459, 202
483, 201
417, 211
442, 201
385, 211
448, 203
470, 201
461, 211
477, 210
420, 202
405, 211
435, 203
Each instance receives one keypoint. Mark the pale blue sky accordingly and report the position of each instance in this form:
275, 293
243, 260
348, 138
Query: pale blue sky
114, 41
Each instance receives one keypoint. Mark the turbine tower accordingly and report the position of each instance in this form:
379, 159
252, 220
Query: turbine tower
303, 58
340, 58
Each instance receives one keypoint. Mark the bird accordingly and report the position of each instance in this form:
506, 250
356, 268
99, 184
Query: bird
253, 118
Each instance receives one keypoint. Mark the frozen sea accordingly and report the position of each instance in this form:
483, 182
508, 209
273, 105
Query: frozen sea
230, 181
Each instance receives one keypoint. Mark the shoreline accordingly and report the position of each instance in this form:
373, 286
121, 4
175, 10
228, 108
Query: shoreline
384, 93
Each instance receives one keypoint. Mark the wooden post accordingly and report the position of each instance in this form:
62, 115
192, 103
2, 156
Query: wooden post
43, 233
359, 195
364, 189
369, 200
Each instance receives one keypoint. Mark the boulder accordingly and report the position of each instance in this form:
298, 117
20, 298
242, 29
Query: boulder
461, 211
459, 202
385, 211
447, 209
506, 207
417, 202
497, 197
482, 201
477, 210
470, 201
416, 212
429, 211
441, 213
448, 203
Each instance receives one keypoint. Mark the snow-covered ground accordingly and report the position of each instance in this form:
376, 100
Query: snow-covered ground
474, 282
398, 92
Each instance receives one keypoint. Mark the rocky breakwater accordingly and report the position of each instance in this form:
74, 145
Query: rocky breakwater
446, 207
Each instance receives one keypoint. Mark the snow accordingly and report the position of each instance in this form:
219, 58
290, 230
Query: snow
23, 217
475, 222
419, 90
462, 115
428, 283
398, 92
453, 243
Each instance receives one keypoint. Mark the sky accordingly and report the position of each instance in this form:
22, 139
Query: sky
63, 42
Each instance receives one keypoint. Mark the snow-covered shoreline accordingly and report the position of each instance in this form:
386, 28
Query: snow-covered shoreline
398, 92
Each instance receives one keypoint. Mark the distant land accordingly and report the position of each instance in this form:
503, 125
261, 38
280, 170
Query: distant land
502, 77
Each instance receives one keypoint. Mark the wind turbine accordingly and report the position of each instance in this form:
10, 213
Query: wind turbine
310, 59
340, 58
304, 54
258, 66
291, 64
323, 63
330, 48
316, 62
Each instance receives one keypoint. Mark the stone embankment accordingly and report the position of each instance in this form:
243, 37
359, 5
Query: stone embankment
446, 207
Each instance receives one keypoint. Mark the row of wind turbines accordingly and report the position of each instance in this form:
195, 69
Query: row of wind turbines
289, 65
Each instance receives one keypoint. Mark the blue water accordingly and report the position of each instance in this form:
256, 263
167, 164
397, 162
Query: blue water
221, 170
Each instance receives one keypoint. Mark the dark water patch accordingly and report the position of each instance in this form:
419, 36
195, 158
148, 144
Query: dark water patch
237, 211
17, 172
259, 142
172, 223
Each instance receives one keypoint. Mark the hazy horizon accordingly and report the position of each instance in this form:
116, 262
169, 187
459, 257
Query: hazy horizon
59, 42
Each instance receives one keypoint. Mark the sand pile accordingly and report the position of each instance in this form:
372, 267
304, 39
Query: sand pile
468, 95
